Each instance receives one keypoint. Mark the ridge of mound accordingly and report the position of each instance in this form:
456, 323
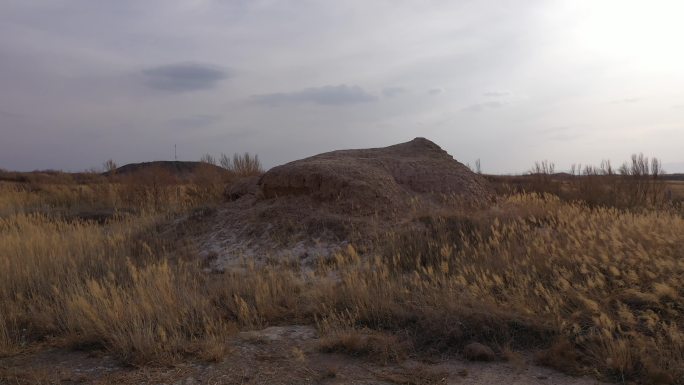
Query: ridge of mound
377, 178
181, 169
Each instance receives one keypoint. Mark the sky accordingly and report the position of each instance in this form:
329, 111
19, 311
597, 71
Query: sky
506, 82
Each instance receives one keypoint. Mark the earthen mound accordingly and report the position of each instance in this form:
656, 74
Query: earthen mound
377, 178
178, 169
317, 206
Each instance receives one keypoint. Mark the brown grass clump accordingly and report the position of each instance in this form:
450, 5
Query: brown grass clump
382, 347
74, 282
160, 313
80, 284
605, 283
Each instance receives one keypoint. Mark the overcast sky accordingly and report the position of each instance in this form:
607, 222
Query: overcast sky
509, 82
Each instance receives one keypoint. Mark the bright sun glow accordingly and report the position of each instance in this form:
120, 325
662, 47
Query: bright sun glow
648, 34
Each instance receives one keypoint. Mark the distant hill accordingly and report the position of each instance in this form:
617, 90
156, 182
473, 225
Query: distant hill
673, 176
179, 169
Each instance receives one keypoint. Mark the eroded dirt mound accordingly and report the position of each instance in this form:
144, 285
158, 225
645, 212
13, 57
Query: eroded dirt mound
315, 207
378, 179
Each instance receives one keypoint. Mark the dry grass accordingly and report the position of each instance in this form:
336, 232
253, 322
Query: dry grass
639, 183
677, 190
241, 165
598, 290
80, 284
378, 346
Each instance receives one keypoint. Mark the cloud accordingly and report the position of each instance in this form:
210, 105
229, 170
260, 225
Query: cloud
194, 121
325, 95
181, 77
9, 114
497, 94
477, 107
82, 67
625, 101
495, 99
562, 133
390, 92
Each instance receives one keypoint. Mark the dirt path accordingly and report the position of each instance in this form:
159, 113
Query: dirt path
275, 355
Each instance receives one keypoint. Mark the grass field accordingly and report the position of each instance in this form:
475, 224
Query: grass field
677, 188
592, 289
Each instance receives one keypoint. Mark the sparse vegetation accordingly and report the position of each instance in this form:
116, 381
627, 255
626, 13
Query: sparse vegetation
242, 165
639, 183
595, 288
110, 166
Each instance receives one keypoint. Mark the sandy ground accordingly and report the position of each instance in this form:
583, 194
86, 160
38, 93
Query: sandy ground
227, 241
275, 355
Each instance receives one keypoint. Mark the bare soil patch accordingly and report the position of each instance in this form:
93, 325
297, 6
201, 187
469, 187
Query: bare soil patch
275, 355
